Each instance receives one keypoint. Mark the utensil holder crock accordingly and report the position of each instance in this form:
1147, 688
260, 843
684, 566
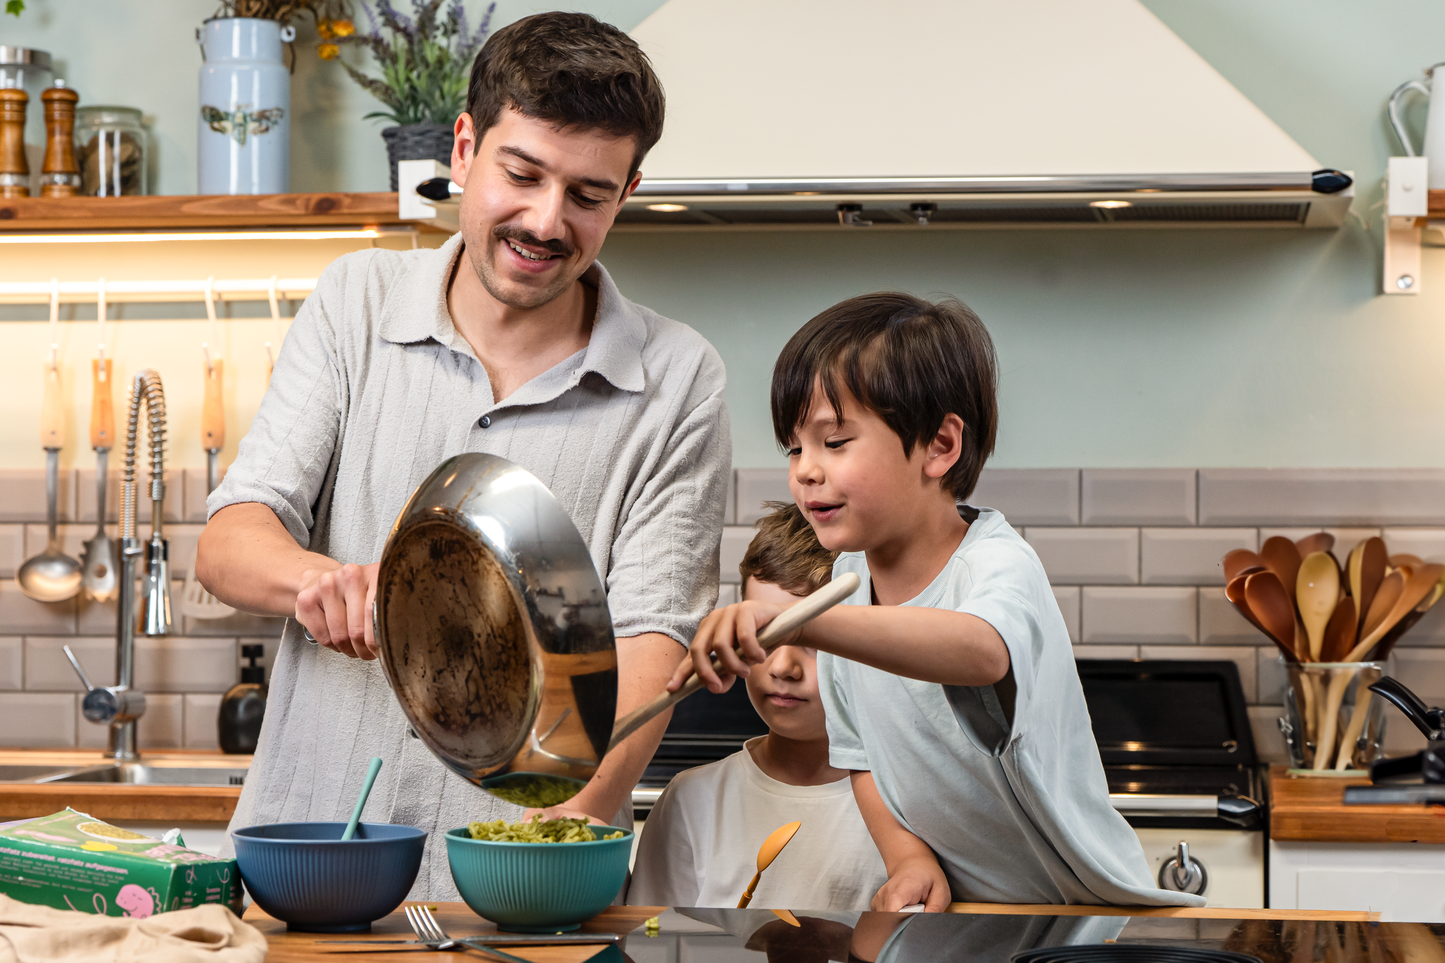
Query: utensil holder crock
1325, 709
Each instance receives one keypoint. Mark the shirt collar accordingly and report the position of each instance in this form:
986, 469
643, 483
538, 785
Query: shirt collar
420, 313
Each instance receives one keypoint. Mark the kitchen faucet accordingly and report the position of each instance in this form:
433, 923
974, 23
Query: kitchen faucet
120, 706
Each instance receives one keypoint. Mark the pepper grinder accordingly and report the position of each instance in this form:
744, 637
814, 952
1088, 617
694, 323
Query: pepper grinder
14, 171
60, 173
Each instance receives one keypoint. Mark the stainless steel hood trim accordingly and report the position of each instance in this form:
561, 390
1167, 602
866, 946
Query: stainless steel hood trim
1042, 184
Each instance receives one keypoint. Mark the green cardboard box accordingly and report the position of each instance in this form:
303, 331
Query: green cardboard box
71, 861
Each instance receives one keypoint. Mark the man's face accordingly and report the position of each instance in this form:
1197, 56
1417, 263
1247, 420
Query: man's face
538, 203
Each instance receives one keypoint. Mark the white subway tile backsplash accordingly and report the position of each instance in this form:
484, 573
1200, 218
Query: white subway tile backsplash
85, 492
12, 663
735, 541
730, 510
727, 594
12, 549
183, 539
1321, 496
1428, 543
1273, 676
22, 615
1221, 624
171, 664
200, 721
162, 726
1140, 614
96, 618
1068, 598
1097, 556
92, 735
22, 495
1242, 656
37, 719
1345, 538
193, 488
242, 623
757, 485
1188, 556
1106, 652
1138, 496
1430, 630
1030, 496
72, 538
1423, 670
48, 670
1268, 743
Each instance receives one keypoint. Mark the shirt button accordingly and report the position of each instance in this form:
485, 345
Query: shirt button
485, 421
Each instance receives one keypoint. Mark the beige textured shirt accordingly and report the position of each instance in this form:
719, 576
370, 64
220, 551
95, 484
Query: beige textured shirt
373, 389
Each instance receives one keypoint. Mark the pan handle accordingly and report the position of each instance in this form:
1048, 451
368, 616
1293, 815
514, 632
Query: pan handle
785, 624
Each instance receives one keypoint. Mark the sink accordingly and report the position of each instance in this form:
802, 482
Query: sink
143, 774
29, 773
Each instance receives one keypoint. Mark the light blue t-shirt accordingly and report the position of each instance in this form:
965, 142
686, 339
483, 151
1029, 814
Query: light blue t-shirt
1017, 810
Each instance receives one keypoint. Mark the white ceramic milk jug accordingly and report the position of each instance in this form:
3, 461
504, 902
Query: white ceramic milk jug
244, 122
1434, 146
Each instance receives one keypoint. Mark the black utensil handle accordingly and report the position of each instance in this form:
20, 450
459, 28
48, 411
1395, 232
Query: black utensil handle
1407, 702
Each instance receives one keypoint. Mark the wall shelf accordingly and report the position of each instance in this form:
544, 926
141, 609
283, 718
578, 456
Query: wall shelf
297, 211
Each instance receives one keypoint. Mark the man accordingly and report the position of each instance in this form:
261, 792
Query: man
509, 339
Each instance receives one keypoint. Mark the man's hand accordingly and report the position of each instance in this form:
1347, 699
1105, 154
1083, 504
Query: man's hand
730, 635
335, 606
561, 812
918, 879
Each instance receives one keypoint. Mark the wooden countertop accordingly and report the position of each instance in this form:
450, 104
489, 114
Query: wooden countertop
118, 801
1312, 809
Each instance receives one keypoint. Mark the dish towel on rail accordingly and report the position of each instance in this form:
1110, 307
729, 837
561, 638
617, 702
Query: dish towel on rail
201, 934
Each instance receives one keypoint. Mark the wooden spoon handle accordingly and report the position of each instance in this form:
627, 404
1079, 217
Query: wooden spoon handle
213, 414
52, 410
102, 415
791, 619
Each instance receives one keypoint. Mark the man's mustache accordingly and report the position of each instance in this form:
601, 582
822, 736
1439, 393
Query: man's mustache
523, 236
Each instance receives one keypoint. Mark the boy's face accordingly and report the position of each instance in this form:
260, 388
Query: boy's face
784, 689
852, 480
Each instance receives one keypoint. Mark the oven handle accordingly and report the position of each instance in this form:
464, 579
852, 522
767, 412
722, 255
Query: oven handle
1234, 809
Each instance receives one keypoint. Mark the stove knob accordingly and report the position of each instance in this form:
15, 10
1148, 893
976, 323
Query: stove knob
1182, 873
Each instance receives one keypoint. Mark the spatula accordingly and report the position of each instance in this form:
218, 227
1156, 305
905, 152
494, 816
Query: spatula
771, 847
195, 600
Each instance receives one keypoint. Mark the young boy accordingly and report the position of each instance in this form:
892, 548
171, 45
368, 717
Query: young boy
948, 678
701, 841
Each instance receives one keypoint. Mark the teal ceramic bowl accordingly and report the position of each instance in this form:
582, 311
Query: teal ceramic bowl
539, 887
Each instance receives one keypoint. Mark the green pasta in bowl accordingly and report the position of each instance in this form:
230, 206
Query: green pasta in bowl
538, 876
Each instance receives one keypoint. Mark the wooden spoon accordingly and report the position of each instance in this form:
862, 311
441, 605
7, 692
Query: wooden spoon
1283, 559
1318, 542
1317, 589
1340, 632
1234, 591
1271, 605
771, 847
1406, 560
1239, 561
1389, 593
1421, 585
1373, 560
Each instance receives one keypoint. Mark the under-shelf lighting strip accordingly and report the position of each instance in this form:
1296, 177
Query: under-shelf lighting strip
244, 289
113, 237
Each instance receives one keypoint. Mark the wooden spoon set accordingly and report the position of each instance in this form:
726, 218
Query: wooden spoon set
1322, 619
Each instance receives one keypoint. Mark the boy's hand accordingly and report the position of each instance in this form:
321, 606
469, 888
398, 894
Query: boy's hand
731, 636
916, 880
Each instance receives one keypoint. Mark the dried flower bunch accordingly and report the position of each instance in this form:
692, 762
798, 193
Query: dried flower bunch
282, 11
425, 59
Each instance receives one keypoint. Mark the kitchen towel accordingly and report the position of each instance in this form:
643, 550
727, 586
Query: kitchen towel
203, 934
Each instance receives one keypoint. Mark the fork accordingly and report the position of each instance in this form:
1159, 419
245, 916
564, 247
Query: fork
430, 932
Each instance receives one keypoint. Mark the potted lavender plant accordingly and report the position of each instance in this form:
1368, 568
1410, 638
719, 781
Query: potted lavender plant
425, 61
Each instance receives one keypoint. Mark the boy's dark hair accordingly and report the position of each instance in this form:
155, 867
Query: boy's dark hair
785, 552
571, 70
909, 360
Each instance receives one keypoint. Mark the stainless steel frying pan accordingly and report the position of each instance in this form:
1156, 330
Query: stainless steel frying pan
493, 631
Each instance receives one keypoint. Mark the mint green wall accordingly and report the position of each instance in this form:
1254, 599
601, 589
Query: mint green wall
1141, 348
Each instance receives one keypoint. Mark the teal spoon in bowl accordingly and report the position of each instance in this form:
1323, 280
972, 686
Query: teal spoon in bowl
371, 772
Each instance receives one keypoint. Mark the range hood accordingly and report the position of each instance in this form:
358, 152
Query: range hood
931, 113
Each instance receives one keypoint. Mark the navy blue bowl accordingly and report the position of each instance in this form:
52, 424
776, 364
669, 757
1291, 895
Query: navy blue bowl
305, 874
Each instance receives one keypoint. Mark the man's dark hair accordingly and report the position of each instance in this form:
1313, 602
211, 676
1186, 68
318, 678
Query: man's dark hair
910, 361
571, 70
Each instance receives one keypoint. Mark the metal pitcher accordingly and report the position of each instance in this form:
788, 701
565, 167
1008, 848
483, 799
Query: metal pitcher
492, 628
1434, 144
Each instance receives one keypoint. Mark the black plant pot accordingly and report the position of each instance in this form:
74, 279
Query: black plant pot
417, 142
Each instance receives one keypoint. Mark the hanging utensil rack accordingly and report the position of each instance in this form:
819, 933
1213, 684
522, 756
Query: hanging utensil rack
236, 289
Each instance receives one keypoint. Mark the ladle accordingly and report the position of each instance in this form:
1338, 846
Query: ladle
769, 851
1317, 590
51, 576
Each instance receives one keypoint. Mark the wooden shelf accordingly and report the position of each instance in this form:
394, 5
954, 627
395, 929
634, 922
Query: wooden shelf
199, 211
1312, 809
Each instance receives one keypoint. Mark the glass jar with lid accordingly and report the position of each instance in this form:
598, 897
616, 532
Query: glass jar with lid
110, 146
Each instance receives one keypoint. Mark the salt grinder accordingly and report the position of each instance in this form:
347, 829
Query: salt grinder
14, 171
60, 173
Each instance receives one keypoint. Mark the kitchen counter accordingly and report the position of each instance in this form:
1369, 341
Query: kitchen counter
1312, 809
971, 931
120, 801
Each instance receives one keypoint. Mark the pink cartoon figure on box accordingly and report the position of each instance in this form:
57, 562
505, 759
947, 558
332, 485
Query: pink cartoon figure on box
136, 902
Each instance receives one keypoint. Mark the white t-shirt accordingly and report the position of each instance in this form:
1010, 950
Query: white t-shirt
699, 846
1017, 810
